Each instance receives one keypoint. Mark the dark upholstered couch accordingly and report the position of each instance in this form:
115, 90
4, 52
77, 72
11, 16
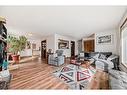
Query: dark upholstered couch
107, 54
91, 54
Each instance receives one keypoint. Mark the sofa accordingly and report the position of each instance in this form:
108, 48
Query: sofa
102, 60
117, 79
109, 63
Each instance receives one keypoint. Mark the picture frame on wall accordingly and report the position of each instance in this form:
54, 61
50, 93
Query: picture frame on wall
63, 44
34, 46
105, 39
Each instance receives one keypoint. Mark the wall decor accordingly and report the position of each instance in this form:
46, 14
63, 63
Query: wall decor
63, 44
106, 39
34, 46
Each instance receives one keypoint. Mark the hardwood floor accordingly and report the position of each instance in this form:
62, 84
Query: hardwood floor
35, 75
99, 81
38, 75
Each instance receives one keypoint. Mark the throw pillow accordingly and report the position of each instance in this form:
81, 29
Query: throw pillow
123, 77
107, 63
116, 83
55, 55
92, 61
114, 74
122, 73
96, 56
102, 56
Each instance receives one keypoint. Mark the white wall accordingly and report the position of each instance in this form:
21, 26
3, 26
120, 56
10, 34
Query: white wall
37, 42
26, 52
52, 43
107, 47
67, 52
50, 40
29, 52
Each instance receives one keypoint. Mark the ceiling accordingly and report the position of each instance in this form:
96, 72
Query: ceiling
74, 21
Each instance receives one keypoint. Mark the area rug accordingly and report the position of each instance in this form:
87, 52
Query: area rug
76, 77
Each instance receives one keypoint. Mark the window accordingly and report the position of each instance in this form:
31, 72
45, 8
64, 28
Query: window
124, 45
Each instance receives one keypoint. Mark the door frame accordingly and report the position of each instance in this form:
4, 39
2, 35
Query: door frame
74, 49
41, 49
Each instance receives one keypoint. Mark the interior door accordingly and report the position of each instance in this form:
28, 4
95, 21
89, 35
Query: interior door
89, 46
43, 49
72, 48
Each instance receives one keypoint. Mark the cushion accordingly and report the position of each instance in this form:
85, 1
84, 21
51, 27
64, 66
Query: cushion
118, 79
4, 73
115, 76
107, 63
112, 57
114, 73
122, 73
102, 57
116, 86
82, 55
55, 55
124, 79
59, 52
100, 65
116, 83
92, 61
96, 56
118, 74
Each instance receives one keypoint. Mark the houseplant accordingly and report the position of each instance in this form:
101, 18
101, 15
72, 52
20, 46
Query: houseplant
16, 45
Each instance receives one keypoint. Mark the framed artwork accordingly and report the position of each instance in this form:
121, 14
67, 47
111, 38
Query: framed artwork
63, 44
34, 46
106, 39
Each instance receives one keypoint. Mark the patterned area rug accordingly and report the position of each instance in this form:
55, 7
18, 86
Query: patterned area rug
76, 77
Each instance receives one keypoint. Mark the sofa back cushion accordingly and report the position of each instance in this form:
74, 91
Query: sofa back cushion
102, 56
91, 54
59, 52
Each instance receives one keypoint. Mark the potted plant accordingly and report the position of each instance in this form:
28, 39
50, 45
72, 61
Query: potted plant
16, 45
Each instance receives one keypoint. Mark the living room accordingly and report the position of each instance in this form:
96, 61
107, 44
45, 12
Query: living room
66, 47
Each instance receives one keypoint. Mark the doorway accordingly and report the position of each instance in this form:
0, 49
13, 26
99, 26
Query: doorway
43, 49
72, 48
89, 46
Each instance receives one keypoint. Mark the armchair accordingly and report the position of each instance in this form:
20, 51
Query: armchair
56, 59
